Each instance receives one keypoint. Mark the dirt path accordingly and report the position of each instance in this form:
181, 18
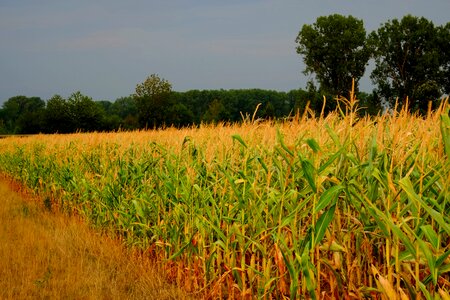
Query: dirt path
47, 255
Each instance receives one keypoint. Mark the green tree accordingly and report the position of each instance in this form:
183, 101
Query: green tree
216, 112
334, 49
152, 99
23, 114
179, 115
411, 60
57, 116
268, 111
3, 129
125, 108
85, 114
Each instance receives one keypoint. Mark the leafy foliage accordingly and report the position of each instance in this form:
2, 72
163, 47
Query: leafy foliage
152, 98
23, 114
333, 48
412, 60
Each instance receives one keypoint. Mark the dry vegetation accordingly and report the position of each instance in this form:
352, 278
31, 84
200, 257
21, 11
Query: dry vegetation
316, 207
47, 255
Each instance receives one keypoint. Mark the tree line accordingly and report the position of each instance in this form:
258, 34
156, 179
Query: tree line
30, 115
411, 59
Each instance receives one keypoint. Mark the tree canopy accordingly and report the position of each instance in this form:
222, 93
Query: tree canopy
151, 99
411, 60
333, 49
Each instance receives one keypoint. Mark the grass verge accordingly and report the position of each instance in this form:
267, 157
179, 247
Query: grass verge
48, 255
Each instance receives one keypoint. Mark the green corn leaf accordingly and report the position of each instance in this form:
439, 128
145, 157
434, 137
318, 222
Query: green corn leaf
263, 164
330, 161
445, 131
218, 231
444, 269
236, 272
329, 196
407, 186
221, 244
313, 145
424, 290
308, 172
431, 235
386, 223
401, 235
322, 224
333, 135
308, 272
430, 259
237, 137
381, 225
442, 259
138, 208
287, 220
180, 251
293, 274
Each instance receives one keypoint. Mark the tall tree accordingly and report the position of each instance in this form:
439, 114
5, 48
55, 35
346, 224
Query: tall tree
334, 49
152, 97
410, 60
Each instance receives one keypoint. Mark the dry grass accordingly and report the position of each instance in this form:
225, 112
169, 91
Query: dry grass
46, 255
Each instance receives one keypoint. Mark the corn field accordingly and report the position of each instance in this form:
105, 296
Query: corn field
311, 207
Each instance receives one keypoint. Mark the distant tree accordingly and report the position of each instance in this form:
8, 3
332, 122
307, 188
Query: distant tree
152, 97
179, 115
85, 114
411, 60
268, 111
334, 49
216, 112
110, 121
23, 114
130, 123
58, 116
3, 129
105, 105
31, 122
125, 108
298, 100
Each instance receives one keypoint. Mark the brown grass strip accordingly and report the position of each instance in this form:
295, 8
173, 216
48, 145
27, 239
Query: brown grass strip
48, 255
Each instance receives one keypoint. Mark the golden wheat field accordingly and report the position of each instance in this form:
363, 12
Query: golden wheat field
321, 207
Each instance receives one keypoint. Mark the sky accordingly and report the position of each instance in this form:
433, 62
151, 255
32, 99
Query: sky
103, 48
